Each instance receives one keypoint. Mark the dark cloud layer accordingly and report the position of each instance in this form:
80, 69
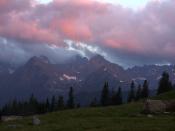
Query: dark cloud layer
125, 36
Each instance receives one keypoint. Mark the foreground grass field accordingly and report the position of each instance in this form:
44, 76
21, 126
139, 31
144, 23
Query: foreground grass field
120, 118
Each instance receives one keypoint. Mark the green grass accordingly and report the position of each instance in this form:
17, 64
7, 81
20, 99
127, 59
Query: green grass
117, 118
166, 96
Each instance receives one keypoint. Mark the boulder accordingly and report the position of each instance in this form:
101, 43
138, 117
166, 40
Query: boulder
36, 121
150, 116
154, 106
170, 105
10, 118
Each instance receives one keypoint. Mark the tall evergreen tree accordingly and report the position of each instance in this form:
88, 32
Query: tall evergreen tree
47, 105
0, 115
105, 95
131, 95
60, 103
53, 104
33, 105
78, 105
116, 98
145, 90
138, 93
164, 84
94, 102
70, 102
113, 97
119, 99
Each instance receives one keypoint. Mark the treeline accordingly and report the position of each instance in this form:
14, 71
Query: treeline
111, 97
108, 97
33, 106
135, 93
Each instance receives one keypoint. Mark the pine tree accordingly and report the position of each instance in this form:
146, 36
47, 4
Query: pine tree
145, 90
105, 95
33, 105
60, 103
0, 115
119, 100
131, 95
47, 105
164, 84
53, 104
138, 93
113, 97
14, 107
94, 102
78, 105
70, 102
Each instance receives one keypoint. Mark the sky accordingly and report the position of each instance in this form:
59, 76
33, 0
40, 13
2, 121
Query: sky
134, 4
126, 32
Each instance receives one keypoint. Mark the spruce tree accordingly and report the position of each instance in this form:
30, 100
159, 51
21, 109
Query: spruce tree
0, 115
60, 103
138, 93
164, 84
53, 104
105, 95
78, 105
94, 102
131, 95
119, 100
70, 102
145, 90
33, 105
113, 97
47, 105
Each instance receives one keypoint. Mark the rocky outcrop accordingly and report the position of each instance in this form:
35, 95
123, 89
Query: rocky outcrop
158, 106
154, 106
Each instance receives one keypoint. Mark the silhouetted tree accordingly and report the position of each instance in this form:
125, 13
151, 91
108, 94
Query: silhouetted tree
113, 97
119, 100
47, 108
70, 102
61, 103
53, 104
131, 95
0, 115
145, 90
164, 84
33, 105
78, 105
116, 98
105, 95
94, 102
138, 93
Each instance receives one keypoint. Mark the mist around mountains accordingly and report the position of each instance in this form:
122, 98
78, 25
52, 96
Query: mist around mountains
43, 78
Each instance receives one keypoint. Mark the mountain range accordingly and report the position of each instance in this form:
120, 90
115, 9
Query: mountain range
43, 78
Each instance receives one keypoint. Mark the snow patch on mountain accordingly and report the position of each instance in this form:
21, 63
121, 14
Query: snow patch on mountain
159, 77
61, 79
67, 77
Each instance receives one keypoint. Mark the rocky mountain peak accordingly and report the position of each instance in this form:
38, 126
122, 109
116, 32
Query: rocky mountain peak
38, 60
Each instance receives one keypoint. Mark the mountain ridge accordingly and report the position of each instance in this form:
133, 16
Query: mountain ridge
43, 78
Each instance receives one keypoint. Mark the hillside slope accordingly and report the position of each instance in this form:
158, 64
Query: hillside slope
118, 118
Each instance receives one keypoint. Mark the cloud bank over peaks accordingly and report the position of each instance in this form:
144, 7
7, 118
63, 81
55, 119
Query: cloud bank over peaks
124, 35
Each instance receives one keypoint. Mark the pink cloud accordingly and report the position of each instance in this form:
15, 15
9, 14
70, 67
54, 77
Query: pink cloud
105, 25
14, 5
27, 32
